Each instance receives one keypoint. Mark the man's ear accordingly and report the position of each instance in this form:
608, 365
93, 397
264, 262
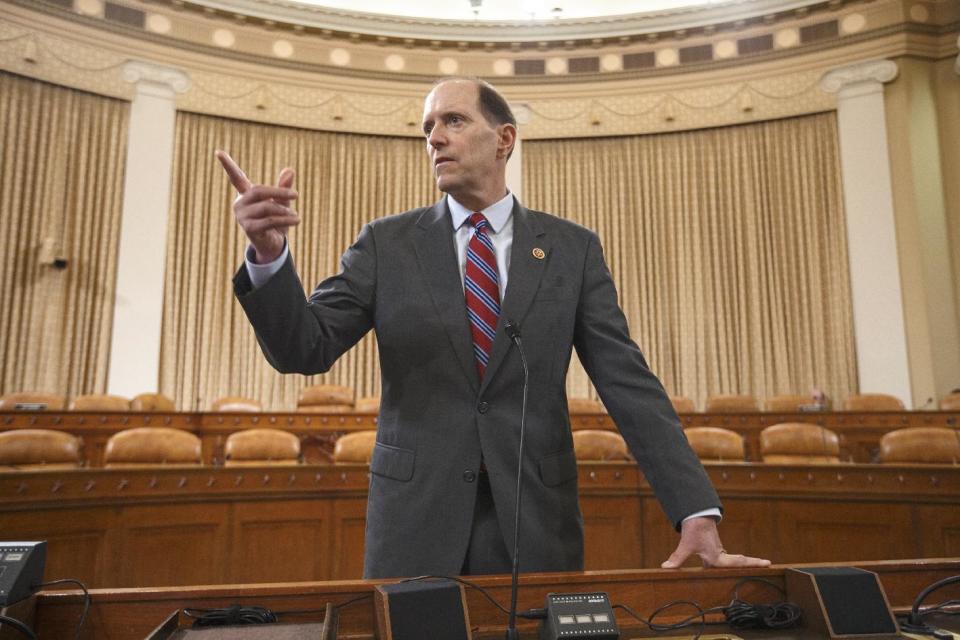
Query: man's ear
507, 138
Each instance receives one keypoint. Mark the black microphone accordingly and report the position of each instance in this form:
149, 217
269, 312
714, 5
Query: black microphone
513, 332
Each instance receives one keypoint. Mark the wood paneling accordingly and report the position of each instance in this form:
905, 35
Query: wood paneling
285, 541
208, 525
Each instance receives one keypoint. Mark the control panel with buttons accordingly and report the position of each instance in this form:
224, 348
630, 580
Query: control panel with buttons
583, 616
21, 567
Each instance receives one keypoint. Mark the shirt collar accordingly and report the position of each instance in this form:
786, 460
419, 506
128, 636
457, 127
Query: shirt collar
496, 214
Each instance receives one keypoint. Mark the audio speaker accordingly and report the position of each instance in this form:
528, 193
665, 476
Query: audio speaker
435, 609
842, 602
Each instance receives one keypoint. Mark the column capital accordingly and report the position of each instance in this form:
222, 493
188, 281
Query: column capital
155, 79
859, 77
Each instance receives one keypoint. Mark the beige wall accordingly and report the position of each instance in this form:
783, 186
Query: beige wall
920, 150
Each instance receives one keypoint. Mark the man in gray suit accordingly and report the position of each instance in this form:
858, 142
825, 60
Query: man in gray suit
430, 283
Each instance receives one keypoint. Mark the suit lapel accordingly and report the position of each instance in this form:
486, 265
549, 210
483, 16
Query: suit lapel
522, 282
437, 257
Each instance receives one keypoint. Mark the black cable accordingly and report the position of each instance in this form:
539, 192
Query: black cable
86, 598
738, 613
463, 582
914, 622
741, 614
235, 614
338, 607
19, 626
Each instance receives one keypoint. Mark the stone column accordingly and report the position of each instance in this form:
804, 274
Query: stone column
135, 345
878, 311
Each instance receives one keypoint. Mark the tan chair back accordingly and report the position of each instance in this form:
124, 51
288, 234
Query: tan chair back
100, 402
872, 402
921, 445
355, 447
236, 404
369, 404
326, 398
683, 404
799, 443
261, 446
714, 443
54, 402
585, 405
596, 444
151, 446
28, 449
152, 402
950, 402
731, 404
786, 403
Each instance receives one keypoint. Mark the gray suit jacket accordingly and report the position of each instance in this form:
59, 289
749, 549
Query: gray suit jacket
438, 420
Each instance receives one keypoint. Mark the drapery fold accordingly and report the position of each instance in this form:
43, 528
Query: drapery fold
728, 247
62, 157
208, 349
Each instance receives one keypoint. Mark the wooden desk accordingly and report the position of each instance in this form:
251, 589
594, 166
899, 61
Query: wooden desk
215, 525
859, 433
128, 614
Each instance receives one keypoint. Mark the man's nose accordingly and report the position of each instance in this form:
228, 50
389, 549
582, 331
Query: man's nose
436, 139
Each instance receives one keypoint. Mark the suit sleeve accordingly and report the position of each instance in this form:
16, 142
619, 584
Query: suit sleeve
634, 396
306, 335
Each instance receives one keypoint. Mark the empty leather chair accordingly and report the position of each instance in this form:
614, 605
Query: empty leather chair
585, 405
151, 446
152, 402
921, 445
872, 402
683, 404
100, 402
326, 398
950, 402
787, 403
52, 401
714, 443
261, 447
596, 444
369, 404
731, 404
799, 443
356, 447
236, 404
38, 449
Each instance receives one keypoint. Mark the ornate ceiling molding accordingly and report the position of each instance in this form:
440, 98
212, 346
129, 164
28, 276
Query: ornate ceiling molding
566, 32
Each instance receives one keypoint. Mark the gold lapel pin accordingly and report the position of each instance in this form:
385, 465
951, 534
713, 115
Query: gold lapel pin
538, 253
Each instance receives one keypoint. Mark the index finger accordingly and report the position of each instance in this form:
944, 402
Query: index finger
237, 177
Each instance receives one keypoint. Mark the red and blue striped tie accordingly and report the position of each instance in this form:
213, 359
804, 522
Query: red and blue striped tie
482, 291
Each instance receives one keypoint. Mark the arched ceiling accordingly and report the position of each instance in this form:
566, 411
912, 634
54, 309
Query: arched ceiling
507, 20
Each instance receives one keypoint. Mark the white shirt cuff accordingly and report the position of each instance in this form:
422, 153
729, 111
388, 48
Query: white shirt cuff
261, 273
706, 513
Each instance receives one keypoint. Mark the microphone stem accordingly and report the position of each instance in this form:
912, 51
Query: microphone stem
512, 632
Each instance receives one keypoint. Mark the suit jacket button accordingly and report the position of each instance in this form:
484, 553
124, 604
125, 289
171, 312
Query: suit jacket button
469, 476
483, 407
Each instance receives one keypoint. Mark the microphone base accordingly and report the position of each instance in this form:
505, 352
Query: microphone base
512, 634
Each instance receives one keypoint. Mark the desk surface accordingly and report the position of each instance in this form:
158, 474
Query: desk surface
122, 614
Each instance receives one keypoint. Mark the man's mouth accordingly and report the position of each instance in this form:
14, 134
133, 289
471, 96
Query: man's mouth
440, 161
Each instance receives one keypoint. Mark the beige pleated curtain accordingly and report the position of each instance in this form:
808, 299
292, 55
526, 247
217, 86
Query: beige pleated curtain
728, 247
345, 180
61, 181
